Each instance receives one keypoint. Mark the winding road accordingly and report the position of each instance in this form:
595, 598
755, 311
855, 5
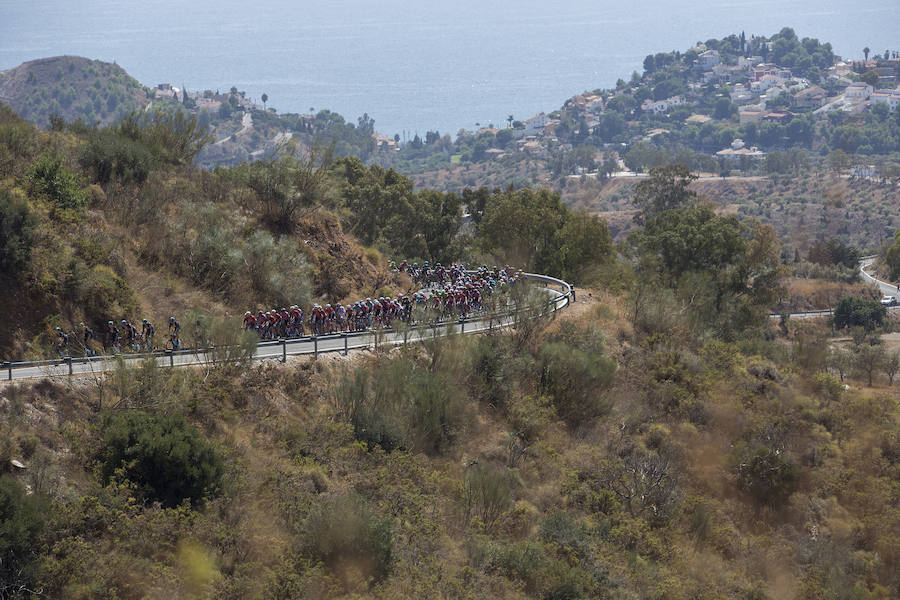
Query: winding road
561, 294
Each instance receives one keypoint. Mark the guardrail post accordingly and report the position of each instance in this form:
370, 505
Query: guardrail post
171, 358
316, 348
573, 294
283, 350
346, 348
9, 366
462, 325
68, 360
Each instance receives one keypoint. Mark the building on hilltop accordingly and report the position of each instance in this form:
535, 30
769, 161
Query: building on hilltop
769, 70
811, 97
889, 97
707, 60
858, 90
661, 106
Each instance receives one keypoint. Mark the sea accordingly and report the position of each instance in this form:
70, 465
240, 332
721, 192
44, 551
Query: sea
414, 66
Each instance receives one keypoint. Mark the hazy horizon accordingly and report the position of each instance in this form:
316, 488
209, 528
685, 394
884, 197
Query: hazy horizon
433, 65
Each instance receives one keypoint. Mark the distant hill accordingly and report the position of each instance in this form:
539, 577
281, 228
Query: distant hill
72, 87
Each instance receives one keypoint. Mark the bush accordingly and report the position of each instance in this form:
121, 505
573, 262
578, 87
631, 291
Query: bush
397, 404
17, 223
346, 532
487, 493
575, 380
110, 156
765, 473
857, 312
49, 178
164, 457
22, 519
100, 292
560, 529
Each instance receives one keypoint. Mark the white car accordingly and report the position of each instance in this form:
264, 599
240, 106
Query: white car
889, 301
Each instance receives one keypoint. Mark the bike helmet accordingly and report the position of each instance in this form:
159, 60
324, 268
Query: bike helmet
143, 320
59, 328
171, 319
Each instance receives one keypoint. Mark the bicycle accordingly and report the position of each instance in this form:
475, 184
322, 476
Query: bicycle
173, 343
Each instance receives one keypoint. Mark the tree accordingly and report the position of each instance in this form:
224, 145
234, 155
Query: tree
853, 312
645, 482
265, 98
22, 519
49, 178
870, 77
17, 224
164, 457
283, 186
892, 256
667, 188
866, 52
725, 272
765, 473
868, 359
891, 366
509, 120
536, 230
724, 108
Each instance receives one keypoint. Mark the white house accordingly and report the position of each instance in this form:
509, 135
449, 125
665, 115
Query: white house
764, 83
535, 123
858, 89
661, 106
889, 97
708, 60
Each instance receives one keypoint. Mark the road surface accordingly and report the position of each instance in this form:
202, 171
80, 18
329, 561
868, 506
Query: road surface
887, 289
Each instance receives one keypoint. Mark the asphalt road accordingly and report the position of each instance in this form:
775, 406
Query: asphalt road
887, 289
274, 350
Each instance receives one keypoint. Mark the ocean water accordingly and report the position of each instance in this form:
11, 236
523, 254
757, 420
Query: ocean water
417, 65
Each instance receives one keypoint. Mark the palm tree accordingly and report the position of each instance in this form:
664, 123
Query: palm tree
509, 120
866, 52
265, 98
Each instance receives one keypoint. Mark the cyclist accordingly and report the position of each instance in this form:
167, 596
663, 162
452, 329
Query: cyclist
62, 341
88, 335
174, 330
112, 336
147, 332
130, 333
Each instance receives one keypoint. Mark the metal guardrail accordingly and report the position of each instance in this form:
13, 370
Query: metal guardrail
350, 340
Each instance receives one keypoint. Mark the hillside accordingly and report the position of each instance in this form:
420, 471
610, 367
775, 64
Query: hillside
71, 87
803, 208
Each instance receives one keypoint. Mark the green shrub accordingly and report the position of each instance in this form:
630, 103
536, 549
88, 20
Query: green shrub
100, 292
345, 531
110, 156
857, 312
560, 529
399, 404
765, 473
164, 457
487, 493
49, 178
17, 223
22, 518
575, 379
